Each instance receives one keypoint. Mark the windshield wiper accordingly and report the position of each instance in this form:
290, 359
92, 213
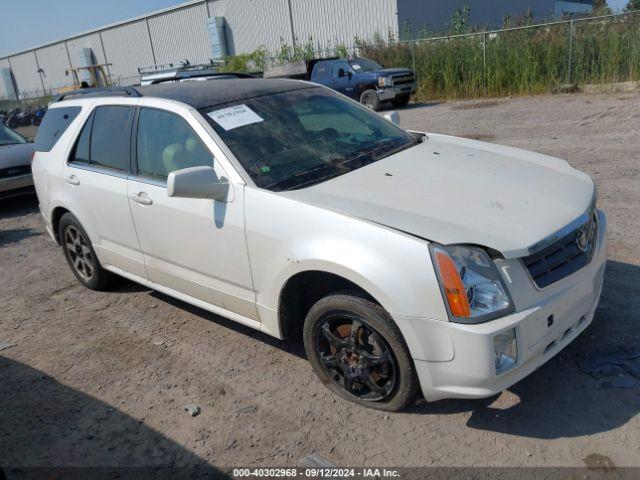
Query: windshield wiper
398, 149
294, 181
337, 166
372, 151
315, 181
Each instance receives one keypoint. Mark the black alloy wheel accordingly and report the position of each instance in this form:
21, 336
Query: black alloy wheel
356, 357
359, 353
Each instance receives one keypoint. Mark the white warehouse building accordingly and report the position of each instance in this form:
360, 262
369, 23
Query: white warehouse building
202, 30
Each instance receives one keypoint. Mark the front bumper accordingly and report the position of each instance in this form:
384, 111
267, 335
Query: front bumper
18, 185
390, 93
470, 373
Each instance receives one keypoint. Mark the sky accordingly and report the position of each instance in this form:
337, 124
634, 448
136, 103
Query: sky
29, 23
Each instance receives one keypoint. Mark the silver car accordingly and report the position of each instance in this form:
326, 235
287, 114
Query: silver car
16, 153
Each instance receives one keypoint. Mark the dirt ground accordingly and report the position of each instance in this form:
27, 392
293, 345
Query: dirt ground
102, 378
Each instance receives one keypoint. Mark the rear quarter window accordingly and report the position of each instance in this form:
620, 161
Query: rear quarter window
323, 71
55, 123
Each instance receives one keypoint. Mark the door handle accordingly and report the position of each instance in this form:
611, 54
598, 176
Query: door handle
141, 198
72, 180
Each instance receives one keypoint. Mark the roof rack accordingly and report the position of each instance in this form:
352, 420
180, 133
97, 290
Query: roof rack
98, 92
183, 65
179, 77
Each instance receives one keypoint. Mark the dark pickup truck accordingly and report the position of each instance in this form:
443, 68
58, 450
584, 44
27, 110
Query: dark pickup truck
359, 78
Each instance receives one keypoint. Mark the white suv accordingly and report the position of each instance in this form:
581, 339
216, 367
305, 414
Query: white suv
405, 260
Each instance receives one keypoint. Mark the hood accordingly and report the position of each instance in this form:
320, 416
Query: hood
451, 190
16, 155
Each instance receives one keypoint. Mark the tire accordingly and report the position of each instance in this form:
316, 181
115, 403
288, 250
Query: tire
369, 98
358, 352
401, 101
81, 256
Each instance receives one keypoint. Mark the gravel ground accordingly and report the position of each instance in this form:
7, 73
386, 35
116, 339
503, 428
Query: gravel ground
102, 378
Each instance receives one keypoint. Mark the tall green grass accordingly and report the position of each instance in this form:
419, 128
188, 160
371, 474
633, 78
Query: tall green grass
510, 62
518, 62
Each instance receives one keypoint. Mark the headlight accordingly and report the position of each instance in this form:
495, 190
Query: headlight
471, 286
385, 81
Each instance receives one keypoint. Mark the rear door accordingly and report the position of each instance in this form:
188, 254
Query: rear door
95, 187
195, 247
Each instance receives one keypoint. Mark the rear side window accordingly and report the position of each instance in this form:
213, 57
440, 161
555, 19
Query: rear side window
167, 143
81, 151
55, 123
340, 65
323, 71
105, 139
111, 137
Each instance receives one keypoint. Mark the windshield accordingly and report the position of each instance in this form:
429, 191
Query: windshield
302, 137
9, 137
364, 65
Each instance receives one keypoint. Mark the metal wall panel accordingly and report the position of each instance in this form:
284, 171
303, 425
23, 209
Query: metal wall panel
25, 71
250, 24
433, 15
181, 34
4, 63
572, 7
330, 22
91, 41
53, 61
128, 48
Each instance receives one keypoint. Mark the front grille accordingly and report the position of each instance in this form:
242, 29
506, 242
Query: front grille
15, 171
563, 257
403, 79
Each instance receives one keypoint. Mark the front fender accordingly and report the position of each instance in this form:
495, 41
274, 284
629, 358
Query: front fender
392, 267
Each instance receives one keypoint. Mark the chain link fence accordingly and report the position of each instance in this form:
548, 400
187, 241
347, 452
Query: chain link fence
526, 59
519, 60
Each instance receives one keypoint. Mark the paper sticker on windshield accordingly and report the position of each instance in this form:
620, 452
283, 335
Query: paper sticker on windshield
355, 66
234, 117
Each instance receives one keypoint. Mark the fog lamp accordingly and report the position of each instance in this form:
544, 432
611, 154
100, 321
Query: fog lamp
505, 350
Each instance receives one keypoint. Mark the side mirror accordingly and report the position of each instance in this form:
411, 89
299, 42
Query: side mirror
392, 116
341, 73
199, 182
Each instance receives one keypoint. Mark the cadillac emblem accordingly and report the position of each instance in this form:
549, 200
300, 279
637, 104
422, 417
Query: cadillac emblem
582, 237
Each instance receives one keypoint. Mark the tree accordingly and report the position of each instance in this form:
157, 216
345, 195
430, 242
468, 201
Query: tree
460, 20
632, 5
600, 7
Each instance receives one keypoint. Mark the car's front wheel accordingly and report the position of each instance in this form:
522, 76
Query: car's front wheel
80, 254
359, 353
370, 99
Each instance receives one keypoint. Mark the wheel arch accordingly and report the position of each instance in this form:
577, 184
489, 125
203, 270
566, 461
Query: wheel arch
56, 214
362, 87
303, 288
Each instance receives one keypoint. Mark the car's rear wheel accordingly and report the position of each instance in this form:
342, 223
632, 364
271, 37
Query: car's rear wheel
80, 254
359, 353
370, 99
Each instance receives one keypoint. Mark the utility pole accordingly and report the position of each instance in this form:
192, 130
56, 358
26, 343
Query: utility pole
44, 92
293, 33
